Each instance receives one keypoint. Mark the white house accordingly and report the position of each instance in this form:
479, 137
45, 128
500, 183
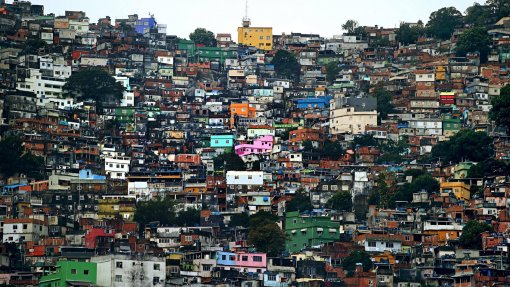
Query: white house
117, 166
383, 244
247, 178
126, 270
24, 229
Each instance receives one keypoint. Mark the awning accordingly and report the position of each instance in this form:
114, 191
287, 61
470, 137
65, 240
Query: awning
303, 230
319, 229
293, 231
332, 230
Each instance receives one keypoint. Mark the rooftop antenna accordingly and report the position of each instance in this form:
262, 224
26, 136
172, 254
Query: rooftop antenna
246, 20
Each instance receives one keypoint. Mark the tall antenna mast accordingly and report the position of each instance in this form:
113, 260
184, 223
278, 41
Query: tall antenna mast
246, 20
246, 10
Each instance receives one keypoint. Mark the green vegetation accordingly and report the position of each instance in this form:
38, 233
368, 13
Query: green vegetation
300, 202
384, 104
332, 70
286, 65
409, 35
474, 40
443, 22
203, 37
16, 160
229, 161
265, 234
465, 145
340, 201
94, 84
500, 112
355, 257
470, 238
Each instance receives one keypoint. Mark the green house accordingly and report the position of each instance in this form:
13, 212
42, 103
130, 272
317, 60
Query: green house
216, 54
451, 125
304, 231
188, 46
125, 115
222, 141
70, 273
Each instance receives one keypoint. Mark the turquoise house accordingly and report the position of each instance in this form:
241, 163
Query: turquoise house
222, 141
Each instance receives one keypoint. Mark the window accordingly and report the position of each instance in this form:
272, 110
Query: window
73, 271
257, 258
271, 277
156, 267
371, 244
155, 280
389, 244
245, 258
86, 272
119, 264
15, 226
325, 187
24, 226
118, 278
206, 267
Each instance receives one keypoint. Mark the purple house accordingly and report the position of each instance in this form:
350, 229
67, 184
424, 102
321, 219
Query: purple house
144, 25
261, 145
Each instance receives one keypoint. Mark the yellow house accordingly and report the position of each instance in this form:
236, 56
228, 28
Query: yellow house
440, 73
259, 37
459, 189
110, 208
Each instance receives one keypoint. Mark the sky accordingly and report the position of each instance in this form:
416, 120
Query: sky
324, 17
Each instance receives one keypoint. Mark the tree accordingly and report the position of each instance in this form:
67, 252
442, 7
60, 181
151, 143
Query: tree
500, 112
268, 238
189, 217
489, 167
355, 257
465, 145
380, 42
308, 146
499, 8
241, 219
350, 26
477, 15
203, 37
261, 218
384, 103
286, 65
332, 70
474, 40
408, 35
94, 84
229, 161
14, 159
443, 22
471, 234
300, 202
425, 182
33, 46
156, 210
364, 140
340, 201
331, 149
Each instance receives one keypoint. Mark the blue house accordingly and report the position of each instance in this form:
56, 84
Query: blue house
144, 25
313, 103
226, 258
222, 141
87, 174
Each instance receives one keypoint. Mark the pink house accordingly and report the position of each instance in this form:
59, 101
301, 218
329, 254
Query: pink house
251, 262
261, 145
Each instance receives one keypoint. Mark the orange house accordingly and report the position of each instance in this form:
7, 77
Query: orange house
242, 110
